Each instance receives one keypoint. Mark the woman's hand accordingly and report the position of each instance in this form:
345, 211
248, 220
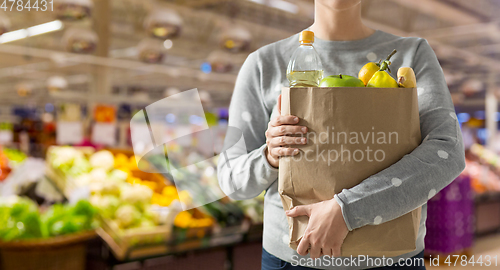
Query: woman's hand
278, 136
326, 230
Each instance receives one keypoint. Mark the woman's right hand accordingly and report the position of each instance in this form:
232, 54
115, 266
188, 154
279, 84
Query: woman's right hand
279, 137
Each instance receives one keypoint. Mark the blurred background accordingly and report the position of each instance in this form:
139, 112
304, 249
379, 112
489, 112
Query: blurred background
73, 72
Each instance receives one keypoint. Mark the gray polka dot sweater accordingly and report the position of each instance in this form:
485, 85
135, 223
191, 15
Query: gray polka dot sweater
389, 194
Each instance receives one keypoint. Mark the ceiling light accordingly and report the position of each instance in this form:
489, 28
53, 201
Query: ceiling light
14, 35
31, 31
284, 5
151, 51
163, 23
80, 40
279, 4
45, 28
73, 9
235, 38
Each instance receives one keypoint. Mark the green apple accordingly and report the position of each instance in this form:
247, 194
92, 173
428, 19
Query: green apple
341, 81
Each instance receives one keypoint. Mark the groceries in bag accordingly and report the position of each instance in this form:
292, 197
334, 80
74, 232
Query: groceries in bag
341, 81
323, 169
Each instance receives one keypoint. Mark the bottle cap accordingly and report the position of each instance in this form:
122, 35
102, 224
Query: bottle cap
306, 36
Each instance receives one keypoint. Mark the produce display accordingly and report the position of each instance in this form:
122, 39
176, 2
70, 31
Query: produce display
4, 166
192, 219
127, 198
9, 159
200, 183
120, 197
22, 219
14, 156
164, 193
254, 208
483, 167
104, 114
128, 208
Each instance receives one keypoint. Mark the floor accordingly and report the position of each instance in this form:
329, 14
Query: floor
488, 245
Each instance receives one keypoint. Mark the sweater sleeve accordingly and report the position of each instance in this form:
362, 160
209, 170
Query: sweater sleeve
418, 176
243, 170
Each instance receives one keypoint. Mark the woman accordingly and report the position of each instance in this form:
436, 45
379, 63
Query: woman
343, 43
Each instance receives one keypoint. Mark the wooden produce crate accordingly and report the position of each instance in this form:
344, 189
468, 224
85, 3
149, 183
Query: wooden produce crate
125, 243
55, 253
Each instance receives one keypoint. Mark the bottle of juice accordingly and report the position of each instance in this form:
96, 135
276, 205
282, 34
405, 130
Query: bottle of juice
305, 68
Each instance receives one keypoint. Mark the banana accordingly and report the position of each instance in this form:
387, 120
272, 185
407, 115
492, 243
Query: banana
406, 78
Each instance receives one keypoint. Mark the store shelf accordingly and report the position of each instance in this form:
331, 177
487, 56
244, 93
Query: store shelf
225, 241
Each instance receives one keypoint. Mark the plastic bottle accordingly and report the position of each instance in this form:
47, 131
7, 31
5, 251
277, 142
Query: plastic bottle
305, 68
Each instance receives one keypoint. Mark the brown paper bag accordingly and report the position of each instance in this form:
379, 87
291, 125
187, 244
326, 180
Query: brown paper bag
335, 117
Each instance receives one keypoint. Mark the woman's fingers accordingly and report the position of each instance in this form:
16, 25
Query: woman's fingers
282, 152
315, 251
286, 130
284, 120
326, 251
303, 247
279, 135
297, 211
336, 251
284, 141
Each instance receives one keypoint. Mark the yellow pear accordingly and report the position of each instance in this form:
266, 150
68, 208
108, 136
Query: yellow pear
406, 78
382, 79
368, 70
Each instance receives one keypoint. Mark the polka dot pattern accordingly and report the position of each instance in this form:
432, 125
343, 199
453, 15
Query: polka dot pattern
246, 116
432, 193
372, 57
396, 182
420, 91
442, 154
377, 220
285, 239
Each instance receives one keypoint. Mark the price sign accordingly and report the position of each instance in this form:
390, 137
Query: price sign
6, 137
104, 133
69, 132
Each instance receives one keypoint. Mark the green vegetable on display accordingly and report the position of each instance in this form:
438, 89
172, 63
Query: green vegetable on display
14, 156
20, 219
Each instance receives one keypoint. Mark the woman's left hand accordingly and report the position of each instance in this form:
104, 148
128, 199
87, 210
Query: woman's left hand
326, 230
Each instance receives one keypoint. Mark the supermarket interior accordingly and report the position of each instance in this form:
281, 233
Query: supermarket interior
74, 73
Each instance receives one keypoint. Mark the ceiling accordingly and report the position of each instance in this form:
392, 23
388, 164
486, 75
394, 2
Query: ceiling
465, 35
